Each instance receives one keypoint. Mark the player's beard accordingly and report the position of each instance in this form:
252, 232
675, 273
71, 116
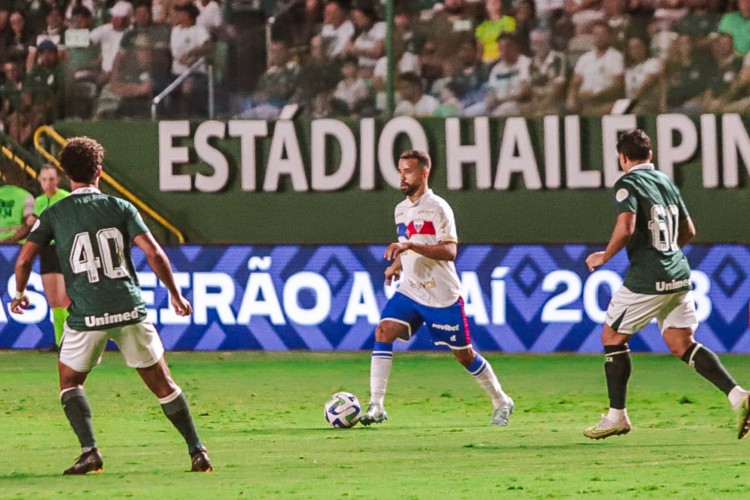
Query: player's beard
409, 189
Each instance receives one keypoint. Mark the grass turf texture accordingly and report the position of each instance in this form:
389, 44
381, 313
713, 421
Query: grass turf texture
260, 415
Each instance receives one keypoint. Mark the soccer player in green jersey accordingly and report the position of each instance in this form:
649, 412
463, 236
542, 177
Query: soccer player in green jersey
654, 224
52, 278
93, 234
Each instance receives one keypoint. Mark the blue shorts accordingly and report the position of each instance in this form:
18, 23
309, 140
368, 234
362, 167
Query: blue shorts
447, 325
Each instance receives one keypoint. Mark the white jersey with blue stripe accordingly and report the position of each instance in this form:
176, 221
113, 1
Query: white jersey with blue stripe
427, 221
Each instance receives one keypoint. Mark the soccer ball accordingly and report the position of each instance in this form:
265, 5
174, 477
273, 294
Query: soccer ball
342, 410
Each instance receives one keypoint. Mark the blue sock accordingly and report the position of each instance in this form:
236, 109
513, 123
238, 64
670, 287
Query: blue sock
478, 366
382, 350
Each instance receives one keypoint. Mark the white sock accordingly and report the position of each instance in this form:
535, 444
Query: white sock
614, 415
736, 396
487, 379
380, 369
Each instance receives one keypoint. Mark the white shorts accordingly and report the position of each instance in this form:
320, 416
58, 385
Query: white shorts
629, 312
139, 343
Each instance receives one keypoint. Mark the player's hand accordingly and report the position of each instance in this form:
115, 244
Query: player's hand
395, 249
181, 305
392, 274
18, 305
595, 260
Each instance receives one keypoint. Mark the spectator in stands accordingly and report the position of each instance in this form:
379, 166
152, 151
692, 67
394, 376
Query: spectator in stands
623, 25
737, 24
71, 6
353, 92
548, 73
209, 16
737, 98
54, 31
46, 81
488, 33
189, 42
25, 119
158, 37
109, 36
598, 76
526, 21
446, 28
509, 83
449, 103
669, 12
83, 67
337, 29
469, 74
701, 21
276, 86
36, 12
317, 81
643, 76
369, 45
414, 102
10, 90
687, 77
20, 37
132, 79
584, 14
724, 72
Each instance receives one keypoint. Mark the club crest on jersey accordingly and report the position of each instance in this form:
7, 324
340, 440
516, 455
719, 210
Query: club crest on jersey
419, 227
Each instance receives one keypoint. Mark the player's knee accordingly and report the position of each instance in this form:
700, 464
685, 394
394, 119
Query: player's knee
678, 340
387, 333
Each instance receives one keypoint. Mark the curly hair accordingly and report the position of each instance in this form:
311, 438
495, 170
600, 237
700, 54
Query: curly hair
80, 158
635, 144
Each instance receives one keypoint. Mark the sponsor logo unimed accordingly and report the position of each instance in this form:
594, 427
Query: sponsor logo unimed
665, 286
447, 328
110, 319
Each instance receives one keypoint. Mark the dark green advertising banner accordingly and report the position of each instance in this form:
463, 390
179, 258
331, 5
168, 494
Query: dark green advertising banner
509, 181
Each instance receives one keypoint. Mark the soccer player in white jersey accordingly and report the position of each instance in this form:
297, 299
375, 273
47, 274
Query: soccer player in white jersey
429, 292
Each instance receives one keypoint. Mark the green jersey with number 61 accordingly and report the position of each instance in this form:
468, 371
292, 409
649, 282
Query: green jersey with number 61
93, 233
657, 264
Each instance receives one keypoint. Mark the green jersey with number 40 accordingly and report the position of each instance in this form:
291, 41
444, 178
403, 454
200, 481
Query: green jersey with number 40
93, 233
657, 264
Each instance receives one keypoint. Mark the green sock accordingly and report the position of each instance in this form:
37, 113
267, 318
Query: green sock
59, 315
178, 412
77, 409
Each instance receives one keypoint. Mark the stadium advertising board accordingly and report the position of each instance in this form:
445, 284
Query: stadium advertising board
509, 181
519, 298
677, 136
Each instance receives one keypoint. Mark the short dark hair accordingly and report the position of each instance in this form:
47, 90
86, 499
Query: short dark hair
189, 7
422, 157
80, 158
634, 144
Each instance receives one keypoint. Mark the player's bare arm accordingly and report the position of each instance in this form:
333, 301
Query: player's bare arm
686, 232
623, 231
159, 262
445, 250
25, 258
393, 272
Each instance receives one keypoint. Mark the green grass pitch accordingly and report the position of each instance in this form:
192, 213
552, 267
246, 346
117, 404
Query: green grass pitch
260, 415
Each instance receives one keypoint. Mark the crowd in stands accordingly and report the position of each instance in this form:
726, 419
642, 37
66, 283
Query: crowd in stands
100, 59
